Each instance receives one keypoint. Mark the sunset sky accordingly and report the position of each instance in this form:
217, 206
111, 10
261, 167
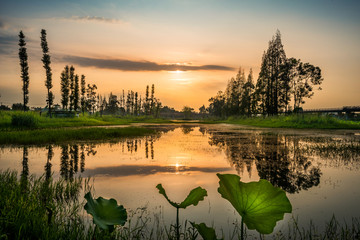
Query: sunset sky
188, 48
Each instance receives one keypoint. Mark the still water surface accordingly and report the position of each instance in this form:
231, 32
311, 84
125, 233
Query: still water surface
319, 170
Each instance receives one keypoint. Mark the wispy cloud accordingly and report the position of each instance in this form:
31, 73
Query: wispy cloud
128, 65
92, 19
8, 43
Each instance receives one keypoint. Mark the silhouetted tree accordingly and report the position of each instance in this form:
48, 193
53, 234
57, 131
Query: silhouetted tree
76, 93
46, 61
269, 81
72, 88
91, 97
303, 77
152, 99
187, 112
83, 97
24, 69
65, 87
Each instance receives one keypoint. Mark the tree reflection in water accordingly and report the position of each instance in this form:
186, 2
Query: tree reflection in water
277, 158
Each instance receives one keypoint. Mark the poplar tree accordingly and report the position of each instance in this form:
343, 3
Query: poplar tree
24, 69
152, 99
65, 87
83, 91
46, 61
146, 107
72, 88
76, 93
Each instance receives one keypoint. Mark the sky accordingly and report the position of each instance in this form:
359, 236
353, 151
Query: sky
188, 48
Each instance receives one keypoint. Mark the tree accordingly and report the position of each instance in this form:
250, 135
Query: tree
91, 97
83, 97
217, 105
76, 93
247, 100
270, 82
72, 88
24, 69
46, 61
187, 111
152, 99
65, 87
304, 77
147, 101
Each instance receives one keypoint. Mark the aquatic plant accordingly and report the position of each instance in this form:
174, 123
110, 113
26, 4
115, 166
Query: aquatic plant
195, 196
259, 204
207, 233
106, 213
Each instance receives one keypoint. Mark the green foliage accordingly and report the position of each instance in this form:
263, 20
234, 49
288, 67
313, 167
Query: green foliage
207, 233
195, 196
106, 213
24, 120
260, 204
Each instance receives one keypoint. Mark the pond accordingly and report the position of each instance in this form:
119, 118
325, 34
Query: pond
318, 169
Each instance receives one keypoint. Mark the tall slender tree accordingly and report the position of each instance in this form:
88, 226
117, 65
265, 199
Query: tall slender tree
72, 88
76, 93
83, 96
24, 69
46, 61
65, 87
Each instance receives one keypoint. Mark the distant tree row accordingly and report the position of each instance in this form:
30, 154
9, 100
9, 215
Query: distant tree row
131, 104
281, 81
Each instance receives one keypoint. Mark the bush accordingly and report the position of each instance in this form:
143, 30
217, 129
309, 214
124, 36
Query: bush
24, 120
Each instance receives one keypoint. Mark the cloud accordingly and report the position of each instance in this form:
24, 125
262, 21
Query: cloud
92, 19
8, 43
128, 65
131, 170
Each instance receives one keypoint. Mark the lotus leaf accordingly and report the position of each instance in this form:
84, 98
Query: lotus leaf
260, 204
195, 196
207, 233
106, 213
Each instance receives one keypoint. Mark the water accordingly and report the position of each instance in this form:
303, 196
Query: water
319, 169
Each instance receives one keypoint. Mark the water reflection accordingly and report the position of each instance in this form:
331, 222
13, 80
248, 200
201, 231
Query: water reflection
24, 176
278, 159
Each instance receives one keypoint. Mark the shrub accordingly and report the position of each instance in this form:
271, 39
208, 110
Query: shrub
24, 120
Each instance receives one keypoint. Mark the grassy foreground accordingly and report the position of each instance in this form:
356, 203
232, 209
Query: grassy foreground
296, 121
40, 208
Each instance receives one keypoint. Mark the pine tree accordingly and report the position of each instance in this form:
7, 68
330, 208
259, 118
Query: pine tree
136, 112
24, 69
64, 82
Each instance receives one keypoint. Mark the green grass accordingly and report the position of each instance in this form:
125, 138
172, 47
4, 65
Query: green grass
59, 135
296, 121
81, 121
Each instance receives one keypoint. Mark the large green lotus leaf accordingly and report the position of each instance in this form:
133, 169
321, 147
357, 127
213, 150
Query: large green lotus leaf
195, 196
260, 204
106, 213
207, 233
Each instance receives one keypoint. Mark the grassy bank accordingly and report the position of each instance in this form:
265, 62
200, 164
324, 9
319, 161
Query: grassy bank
36, 121
296, 121
60, 135
39, 208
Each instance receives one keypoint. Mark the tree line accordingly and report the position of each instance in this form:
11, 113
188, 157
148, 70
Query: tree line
77, 96
281, 81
